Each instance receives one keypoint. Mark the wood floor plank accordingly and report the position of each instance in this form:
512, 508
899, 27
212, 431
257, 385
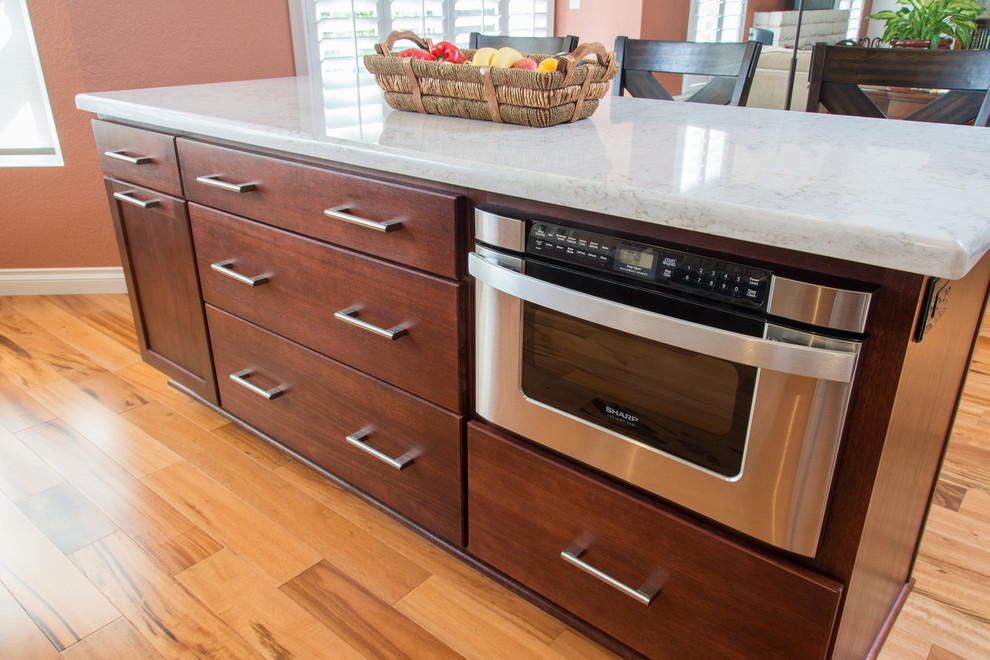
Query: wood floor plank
58, 598
367, 623
570, 644
22, 472
19, 411
246, 443
104, 313
388, 573
19, 636
269, 620
68, 519
418, 549
233, 522
471, 626
78, 334
155, 383
171, 619
160, 529
136, 451
16, 360
118, 640
903, 645
943, 626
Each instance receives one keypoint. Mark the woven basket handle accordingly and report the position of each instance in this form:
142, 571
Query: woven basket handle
385, 47
567, 64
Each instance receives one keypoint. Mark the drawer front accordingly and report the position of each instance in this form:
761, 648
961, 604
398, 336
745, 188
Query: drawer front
318, 295
138, 155
404, 224
322, 402
716, 598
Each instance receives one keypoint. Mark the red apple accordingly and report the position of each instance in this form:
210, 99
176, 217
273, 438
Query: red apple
525, 63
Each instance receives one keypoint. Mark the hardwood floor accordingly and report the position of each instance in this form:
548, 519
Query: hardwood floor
136, 523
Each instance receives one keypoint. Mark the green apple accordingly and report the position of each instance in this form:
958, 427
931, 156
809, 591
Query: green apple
483, 56
506, 57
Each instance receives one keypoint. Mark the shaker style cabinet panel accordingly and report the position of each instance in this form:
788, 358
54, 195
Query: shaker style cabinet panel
400, 223
157, 254
676, 591
393, 323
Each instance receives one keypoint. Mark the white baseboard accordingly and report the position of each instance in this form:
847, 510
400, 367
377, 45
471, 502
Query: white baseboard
56, 281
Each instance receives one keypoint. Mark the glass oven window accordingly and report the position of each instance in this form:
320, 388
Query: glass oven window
692, 406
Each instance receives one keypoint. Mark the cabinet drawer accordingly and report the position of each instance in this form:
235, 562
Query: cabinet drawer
716, 599
415, 227
322, 403
313, 293
138, 155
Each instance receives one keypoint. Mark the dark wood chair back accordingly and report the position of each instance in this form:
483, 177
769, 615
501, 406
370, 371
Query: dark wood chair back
731, 64
837, 74
541, 45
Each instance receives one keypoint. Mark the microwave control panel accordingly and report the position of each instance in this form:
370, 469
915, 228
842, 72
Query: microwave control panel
712, 278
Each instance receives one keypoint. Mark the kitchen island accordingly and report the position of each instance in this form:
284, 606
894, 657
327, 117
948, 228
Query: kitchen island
888, 208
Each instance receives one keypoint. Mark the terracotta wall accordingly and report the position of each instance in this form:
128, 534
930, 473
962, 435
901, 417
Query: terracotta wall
57, 217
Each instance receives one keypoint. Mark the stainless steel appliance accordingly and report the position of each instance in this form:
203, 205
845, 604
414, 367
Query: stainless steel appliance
713, 384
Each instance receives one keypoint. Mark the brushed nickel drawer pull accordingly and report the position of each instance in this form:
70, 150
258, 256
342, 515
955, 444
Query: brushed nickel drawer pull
241, 379
644, 594
214, 180
134, 201
133, 160
350, 315
400, 463
224, 268
338, 212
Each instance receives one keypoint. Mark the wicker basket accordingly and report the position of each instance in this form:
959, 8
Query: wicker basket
514, 96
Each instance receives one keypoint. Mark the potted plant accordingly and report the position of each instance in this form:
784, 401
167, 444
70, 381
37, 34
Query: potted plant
934, 22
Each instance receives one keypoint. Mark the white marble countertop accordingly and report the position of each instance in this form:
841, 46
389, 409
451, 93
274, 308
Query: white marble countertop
901, 195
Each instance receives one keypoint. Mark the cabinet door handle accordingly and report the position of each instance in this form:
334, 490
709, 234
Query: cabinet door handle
133, 160
339, 213
241, 379
126, 196
224, 268
214, 180
644, 594
401, 463
350, 316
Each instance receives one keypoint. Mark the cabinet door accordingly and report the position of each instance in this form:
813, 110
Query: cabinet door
160, 268
658, 582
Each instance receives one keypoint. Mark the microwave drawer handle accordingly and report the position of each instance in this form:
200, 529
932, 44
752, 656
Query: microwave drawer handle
349, 315
644, 594
818, 363
358, 440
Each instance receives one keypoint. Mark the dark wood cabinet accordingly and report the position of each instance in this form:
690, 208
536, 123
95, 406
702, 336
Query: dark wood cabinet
713, 598
156, 251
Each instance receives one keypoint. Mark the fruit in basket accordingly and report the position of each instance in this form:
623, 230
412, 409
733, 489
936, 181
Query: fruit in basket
445, 51
506, 57
549, 64
525, 63
417, 54
483, 56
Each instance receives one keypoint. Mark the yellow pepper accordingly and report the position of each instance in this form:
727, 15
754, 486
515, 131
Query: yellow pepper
549, 64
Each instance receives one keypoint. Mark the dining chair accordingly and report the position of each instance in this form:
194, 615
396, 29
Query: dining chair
837, 74
732, 65
542, 45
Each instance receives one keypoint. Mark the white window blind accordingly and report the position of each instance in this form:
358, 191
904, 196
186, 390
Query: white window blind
855, 8
27, 129
341, 32
718, 21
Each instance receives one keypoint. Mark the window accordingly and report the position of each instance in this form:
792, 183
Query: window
27, 130
719, 21
855, 8
339, 33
